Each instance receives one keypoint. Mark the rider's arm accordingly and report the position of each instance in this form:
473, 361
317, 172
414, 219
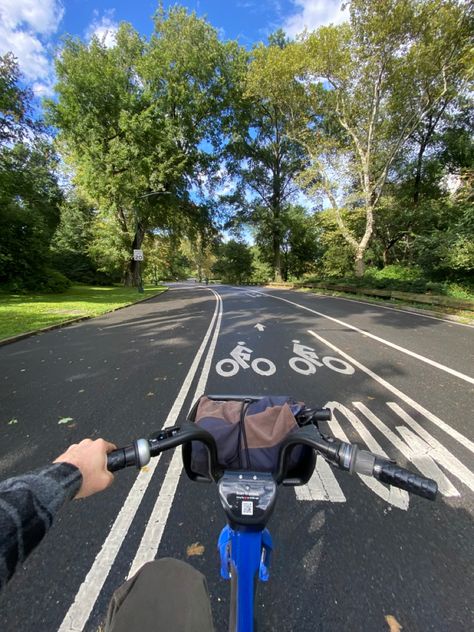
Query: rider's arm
28, 503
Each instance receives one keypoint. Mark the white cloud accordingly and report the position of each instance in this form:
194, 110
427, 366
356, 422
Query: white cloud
25, 29
104, 28
41, 17
311, 14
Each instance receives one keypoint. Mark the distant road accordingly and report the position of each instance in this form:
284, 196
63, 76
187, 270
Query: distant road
350, 552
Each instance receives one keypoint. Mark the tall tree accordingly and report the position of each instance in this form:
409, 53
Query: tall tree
368, 86
263, 160
132, 119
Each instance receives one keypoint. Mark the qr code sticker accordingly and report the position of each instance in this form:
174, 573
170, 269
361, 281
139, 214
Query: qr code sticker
247, 508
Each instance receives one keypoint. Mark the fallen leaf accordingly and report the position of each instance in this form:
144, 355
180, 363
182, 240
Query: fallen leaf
12, 421
145, 468
393, 624
65, 420
195, 549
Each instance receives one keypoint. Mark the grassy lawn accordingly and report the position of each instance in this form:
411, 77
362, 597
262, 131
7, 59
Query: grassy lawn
28, 312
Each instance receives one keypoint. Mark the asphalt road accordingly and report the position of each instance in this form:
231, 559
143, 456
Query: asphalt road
349, 552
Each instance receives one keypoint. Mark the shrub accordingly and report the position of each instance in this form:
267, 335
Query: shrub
53, 282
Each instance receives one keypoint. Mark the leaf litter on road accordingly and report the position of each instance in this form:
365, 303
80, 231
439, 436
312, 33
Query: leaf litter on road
195, 549
65, 420
393, 624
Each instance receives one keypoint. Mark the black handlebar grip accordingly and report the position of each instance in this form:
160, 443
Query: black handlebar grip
123, 457
391, 473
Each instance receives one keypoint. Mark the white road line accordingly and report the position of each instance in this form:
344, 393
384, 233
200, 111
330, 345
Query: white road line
439, 453
464, 441
395, 309
322, 485
437, 365
79, 612
156, 525
393, 495
419, 453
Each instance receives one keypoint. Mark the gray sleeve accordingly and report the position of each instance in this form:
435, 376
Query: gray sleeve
28, 505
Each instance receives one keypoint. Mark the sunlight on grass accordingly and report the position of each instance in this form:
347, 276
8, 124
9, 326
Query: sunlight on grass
20, 313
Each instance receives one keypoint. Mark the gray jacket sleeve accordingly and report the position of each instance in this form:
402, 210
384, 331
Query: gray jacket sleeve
28, 505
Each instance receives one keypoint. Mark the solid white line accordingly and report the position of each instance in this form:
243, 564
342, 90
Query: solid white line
464, 441
437, 365
395, 309
79, 612
156, 525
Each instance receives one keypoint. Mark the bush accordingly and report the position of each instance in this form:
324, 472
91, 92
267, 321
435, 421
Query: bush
52, 282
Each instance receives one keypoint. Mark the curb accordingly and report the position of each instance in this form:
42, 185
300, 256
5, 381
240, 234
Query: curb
65, 323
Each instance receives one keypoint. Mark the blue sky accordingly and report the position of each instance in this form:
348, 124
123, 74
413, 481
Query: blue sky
32, 29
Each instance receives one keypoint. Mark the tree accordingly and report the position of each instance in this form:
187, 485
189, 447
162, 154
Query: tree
133, 119
263, 160
15, 102
72, 242
30, 199
357, 92
234, 262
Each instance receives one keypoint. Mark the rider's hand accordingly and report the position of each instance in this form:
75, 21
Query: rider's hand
91, 458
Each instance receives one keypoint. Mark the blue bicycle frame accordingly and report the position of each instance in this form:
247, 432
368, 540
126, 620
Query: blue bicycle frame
244, 554
245, 545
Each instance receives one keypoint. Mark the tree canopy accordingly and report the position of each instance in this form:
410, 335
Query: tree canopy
349, 146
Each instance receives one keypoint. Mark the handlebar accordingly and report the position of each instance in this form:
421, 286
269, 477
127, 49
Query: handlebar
345, 456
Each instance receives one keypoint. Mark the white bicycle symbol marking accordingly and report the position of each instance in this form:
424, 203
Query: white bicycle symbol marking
306, 361
240, 358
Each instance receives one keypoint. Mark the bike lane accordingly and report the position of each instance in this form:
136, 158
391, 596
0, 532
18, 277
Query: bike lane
448, 343
117, 376
350, 552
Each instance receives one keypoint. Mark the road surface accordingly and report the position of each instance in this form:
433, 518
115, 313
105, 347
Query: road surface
351, 554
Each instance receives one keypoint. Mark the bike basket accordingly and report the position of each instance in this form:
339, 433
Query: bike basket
248, 433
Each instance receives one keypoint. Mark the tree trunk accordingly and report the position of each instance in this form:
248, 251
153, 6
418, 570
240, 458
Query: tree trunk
359, 264
276, 258
132, 275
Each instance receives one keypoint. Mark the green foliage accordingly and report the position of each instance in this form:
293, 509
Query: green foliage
165, 258
262, 159
262, 272
71, 243
234, 262
133, 119
357, 93
15, 101
52, 282
30, 198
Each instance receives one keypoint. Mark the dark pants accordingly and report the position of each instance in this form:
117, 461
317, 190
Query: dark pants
166, 595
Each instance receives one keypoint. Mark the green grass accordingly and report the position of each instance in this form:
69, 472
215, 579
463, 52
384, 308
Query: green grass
20, 313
